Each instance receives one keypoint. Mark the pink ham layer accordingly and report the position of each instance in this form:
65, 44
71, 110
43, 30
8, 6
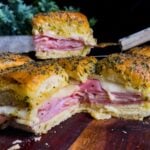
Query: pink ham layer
90, 92
45, 43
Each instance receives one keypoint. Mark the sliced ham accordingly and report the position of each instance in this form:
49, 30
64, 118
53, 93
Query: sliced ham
126, 98
48, 43
91, 92
55, 106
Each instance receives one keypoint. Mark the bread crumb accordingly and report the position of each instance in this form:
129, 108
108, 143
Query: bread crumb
37, 139
16, 142
123, 131
47, 145
14, 147
54, 131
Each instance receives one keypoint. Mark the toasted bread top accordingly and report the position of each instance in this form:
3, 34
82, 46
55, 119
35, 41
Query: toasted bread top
34, 82
79, 68
129, 70
63, 24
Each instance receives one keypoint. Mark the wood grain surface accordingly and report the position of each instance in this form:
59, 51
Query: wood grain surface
81, 132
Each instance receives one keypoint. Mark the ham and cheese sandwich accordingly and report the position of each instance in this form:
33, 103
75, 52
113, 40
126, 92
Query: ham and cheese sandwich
10, 60
89, 94
62, 34
37, 96
84, 89
25, 92
125, 81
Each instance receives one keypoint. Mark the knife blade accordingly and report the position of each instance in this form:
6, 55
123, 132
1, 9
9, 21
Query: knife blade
130, 41
16, 43
24, 43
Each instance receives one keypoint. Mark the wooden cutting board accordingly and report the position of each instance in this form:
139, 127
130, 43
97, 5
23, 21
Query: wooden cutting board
81, 132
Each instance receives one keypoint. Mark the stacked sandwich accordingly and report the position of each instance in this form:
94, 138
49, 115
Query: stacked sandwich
38, 95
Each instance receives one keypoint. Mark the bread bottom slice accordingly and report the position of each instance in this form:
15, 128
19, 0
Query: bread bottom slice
131, 111
97, 111
61, 53
43, 127
134, 111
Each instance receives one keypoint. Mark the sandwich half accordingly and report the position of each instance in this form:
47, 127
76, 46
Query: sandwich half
7, 61
62, 34
124, 79
25, 94
40, 95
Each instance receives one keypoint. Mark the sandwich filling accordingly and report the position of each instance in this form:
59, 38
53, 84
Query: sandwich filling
90, 92
46, 43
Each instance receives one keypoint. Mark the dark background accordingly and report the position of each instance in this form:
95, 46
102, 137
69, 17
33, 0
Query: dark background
116, 18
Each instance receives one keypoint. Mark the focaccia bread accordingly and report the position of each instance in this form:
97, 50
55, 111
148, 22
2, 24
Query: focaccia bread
141, 50
62, 34
78, 68
8, 60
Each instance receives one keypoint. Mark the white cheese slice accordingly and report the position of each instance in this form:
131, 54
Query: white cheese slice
110, 87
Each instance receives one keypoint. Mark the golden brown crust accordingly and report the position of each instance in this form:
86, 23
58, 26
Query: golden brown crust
32, 83
144, 51
129, 70
64, 24
64, 16
8, 60
58, 19
79, 68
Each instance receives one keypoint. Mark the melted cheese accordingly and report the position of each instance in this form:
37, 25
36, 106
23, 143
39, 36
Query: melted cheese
110, 87
14, 111
22, 116
114, 87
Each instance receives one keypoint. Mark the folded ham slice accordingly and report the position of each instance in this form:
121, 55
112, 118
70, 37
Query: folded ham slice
55, 106
46, 43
